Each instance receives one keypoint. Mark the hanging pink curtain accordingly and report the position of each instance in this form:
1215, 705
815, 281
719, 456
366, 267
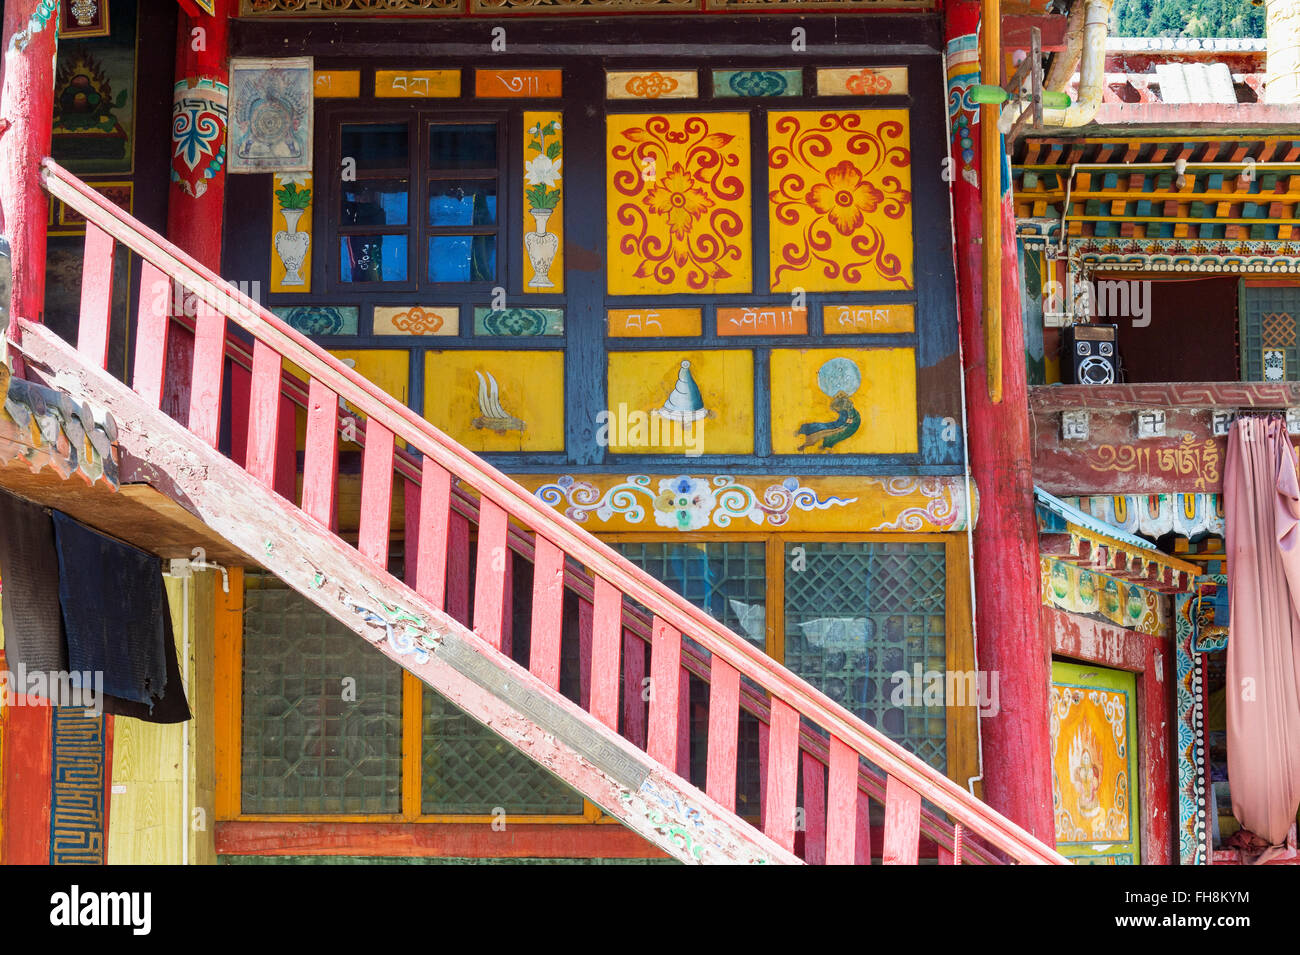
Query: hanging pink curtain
1262, 501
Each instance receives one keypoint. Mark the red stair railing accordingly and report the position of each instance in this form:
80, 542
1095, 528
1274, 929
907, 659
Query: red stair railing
448, 487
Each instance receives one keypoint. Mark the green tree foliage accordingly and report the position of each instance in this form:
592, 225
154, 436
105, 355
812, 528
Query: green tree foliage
1187, 18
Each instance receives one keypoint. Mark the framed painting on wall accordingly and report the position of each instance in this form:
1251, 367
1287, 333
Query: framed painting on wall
270, 124
94, 96
84, 18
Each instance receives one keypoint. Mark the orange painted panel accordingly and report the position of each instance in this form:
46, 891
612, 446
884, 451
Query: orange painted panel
511, 84
868, 319
763, 320
654, 322
337, 84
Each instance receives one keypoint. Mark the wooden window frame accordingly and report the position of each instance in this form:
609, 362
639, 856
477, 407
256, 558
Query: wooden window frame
962, 722
229, 743
418, 175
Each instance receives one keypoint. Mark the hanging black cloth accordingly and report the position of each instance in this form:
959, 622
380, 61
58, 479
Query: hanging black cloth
29, 570
112, 596
172, 708
117, 621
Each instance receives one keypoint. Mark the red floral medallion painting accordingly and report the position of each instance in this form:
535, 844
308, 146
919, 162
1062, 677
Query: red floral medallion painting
840, 205
679, 203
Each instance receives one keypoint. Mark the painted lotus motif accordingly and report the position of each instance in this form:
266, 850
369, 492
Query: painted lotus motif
846, 198
683, 503
679, 198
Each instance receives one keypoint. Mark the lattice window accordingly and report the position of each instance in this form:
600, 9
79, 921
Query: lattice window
858, 612
307, 748
1268, 334
728, 579
470, 770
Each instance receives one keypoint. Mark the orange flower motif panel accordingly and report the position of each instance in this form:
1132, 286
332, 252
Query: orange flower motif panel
840, 206
678, 199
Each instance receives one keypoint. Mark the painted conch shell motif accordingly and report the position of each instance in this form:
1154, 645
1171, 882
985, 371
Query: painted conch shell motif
684, 403
493, 417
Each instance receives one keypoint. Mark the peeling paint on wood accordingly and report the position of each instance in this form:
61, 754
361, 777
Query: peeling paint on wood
49, 430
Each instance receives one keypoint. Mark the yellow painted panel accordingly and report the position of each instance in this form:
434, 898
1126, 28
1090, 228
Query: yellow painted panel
654, 322
417, 83
417, 320
848, 401
792, 505
840, 206
544, 200
387, 368
497, 400
655, 409
678, 203
862, 81
338, 84
291, 208
868, 319
652, 84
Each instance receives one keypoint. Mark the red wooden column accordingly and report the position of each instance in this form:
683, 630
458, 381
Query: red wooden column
196, 195
1017, 770
26, 120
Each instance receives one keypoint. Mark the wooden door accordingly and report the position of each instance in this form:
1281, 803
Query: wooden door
1094, 764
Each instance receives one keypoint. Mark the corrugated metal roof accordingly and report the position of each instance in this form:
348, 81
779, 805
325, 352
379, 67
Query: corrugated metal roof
1195, 83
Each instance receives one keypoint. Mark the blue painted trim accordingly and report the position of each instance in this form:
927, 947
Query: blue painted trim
1050, 506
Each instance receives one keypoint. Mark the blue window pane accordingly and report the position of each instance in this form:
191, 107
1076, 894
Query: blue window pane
463, 258
375, 203
376, 145
463, 147
372, 258
472, 202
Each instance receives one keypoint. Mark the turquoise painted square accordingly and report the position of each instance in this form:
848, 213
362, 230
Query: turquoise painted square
518, 322
758, 82
319, 319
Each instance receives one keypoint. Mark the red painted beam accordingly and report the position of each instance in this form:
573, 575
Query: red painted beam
25, 800
195, 206
456, 840
1016, 31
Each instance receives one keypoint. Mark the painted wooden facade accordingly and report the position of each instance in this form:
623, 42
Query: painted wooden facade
690, 284
679, 330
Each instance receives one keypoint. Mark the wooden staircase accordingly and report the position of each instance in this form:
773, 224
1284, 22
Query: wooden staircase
620, 752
